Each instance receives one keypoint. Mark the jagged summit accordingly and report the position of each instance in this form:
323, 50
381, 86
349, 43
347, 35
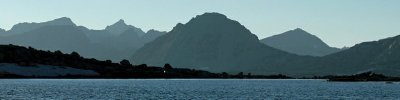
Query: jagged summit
151, 35
120, 26
152, 30
62, 21
120, 22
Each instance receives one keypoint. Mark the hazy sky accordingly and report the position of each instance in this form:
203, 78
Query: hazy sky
337, 22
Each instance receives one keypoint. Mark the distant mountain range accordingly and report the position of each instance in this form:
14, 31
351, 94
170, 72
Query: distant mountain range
120, 27
299, 42
116, 42
211, 42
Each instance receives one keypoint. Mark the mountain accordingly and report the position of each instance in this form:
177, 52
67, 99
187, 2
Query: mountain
122, 46
381, 56
96, 36
25, 27
151, 35
299, 42
29, 62
59, 34
56, 37
22, 62
116, 42
2, 32
213, 42
129, 37
120, 27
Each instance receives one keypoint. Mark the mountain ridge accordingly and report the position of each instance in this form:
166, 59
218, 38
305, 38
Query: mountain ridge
299, 42
211, 41
120, 26
25, 27
380, 56
102, 44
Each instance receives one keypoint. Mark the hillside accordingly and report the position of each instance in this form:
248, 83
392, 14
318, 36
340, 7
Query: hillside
215, 43
381, 56
21, 62
299, 42
116, 42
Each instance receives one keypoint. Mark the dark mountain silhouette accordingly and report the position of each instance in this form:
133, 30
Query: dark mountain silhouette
381, 56
25, 27
299, 42
120, 27
215, 43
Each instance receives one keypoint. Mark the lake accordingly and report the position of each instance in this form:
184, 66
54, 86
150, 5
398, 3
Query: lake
193, 89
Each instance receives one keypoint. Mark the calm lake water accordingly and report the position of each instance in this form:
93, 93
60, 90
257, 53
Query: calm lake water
193, 89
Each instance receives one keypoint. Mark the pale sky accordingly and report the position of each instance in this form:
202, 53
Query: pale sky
337, 22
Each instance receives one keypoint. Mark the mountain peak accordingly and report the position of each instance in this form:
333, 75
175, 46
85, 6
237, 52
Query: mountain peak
118, 27
209, 41
298, 31
299, 41
62, 21
153, 30
214, 23
63, 18
121, 22
212, 14
209, 16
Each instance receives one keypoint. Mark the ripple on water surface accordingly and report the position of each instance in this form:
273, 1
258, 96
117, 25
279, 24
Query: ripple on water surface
193, 89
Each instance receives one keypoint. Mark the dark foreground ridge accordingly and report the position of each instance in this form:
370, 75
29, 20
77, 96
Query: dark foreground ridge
22, 62
363, 77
